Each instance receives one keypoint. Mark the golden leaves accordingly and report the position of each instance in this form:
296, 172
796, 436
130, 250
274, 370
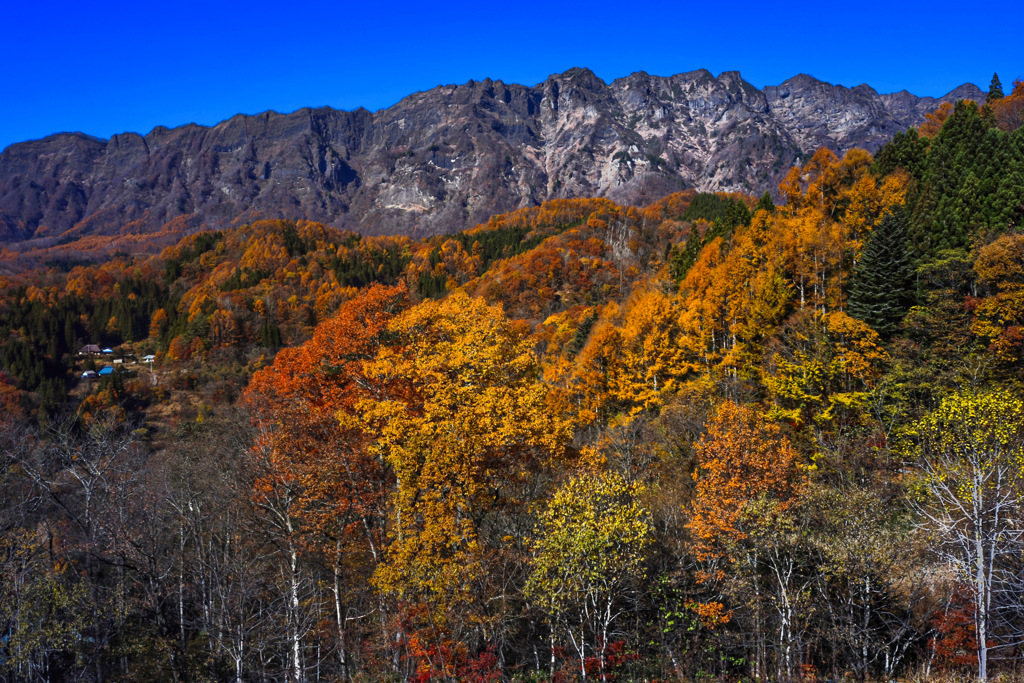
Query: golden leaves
469, 427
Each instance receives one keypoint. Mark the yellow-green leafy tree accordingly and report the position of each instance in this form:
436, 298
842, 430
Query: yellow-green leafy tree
819, 367
43, 615
588, 554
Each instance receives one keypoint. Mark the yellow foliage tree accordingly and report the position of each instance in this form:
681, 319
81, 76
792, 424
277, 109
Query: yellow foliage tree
649, 361
464, 427
999, 317
971, 497
821, 365
589, 550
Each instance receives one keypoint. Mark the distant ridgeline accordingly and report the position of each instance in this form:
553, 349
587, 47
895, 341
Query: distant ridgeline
443, 160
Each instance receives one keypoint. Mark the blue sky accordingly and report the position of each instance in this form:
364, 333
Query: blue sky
109, 67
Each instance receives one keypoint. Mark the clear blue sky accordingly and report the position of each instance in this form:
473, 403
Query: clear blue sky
109, 67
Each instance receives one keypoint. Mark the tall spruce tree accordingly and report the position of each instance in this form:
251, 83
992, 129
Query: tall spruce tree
906, 150
765, 203
883, 285
995, 90
949, 209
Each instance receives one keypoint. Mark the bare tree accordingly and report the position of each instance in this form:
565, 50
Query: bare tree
870, 579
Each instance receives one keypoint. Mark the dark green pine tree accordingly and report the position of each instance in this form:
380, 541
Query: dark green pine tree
995, 90
765, 203
906, 150
921, 205
680, 260
945, 213
1005, 202
883, 282
270, 335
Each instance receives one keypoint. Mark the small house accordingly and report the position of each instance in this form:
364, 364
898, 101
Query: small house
89, 350
108, 351
106, 371
89, 374
148, 359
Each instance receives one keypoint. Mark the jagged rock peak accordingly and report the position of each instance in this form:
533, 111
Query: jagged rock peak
443, 159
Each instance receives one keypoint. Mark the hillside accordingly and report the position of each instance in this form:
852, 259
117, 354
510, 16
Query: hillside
442, 160
717, 437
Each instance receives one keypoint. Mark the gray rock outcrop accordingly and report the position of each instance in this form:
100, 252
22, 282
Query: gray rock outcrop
444, 159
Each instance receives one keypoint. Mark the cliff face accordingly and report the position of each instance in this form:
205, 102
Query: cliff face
444, 159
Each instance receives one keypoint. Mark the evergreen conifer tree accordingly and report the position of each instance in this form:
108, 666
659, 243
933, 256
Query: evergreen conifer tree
737, 215
682, 259
765, 203
906, 150
995, 90
883, 280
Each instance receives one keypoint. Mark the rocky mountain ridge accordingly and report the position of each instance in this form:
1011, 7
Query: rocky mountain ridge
444, 159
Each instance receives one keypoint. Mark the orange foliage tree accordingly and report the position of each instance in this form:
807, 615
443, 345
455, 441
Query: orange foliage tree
999, 317
1008, 112
463, 422
742, 526
320, 488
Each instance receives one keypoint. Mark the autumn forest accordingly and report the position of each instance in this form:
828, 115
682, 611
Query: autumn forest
718, 437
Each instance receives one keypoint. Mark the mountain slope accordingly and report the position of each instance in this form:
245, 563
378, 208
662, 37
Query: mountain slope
447, 158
